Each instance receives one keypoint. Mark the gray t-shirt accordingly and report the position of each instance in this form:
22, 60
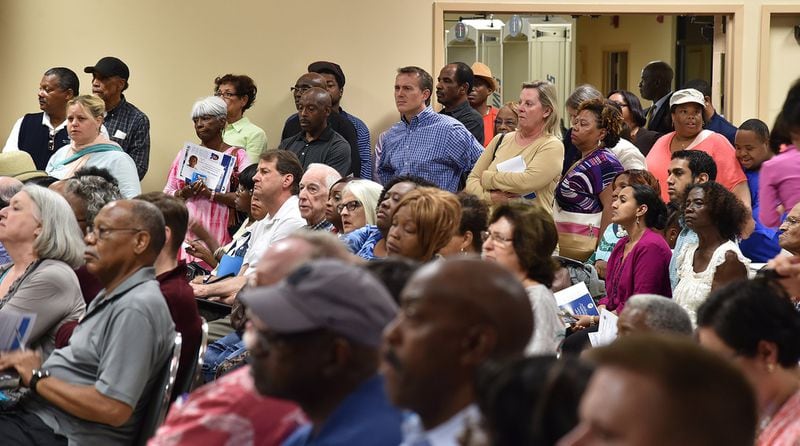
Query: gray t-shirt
120, 347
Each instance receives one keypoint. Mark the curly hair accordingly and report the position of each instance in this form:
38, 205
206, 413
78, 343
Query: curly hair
609, 118
725, 209
639, 176
243, 85
436, 213
534, 239
474, 214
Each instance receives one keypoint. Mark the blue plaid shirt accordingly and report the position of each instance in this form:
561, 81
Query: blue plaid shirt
362, 132
432, 146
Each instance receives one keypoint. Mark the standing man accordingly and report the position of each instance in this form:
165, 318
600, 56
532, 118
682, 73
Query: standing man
334, 82
126, 124
656, 86
314, 187
317, 142
41, 134
424, 143
479, 96
453, 85
95, 390
336, 121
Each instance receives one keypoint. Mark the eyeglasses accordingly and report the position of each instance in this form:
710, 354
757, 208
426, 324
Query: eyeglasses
507, 122
103, 233
496, 238
621, 104
225, 94
350, 205
51, 142
300, 89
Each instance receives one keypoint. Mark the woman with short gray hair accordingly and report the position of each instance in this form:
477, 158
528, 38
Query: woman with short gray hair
44, 248
211, 208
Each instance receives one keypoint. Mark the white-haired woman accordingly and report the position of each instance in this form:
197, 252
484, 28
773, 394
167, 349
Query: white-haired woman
214, 211
359, 204
88, 147
44, 248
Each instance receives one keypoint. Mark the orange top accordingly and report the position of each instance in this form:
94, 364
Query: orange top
488, 125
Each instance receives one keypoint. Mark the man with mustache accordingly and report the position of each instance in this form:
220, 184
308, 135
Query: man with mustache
95, 390
41, 134
453, 85
314, 339
317, 142
455, 316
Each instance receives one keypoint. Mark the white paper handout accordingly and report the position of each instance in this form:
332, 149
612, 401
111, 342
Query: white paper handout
209, 166
514, 165
606, 330
15, 329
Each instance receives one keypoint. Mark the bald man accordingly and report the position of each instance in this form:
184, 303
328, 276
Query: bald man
336, 122
317, 142
314, 186
456, 315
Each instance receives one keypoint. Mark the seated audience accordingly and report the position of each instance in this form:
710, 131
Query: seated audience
788, 268
686, 109
634, 117
717, 217
423, 223
779, 186
44, 247
314, 339
466, 240
752, 150
8, 188
334, 199
507, 118
531, 401
393, 273
456, 315
96, 389
614, 232
646, 313
208, 207
369, 242
90, 148
358, 205
754, 326
314, 186
666, 391
534, 145
171, 276
239, 94
583, 196
522, 239
789, 237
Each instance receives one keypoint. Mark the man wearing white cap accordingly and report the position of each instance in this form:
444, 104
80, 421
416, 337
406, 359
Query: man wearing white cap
314, 339
482, 89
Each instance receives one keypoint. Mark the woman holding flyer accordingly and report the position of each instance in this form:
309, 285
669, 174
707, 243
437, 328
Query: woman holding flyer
198, 174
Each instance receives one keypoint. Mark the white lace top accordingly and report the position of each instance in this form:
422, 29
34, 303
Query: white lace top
693, 288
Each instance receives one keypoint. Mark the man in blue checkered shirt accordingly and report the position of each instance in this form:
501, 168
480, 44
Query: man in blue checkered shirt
424, 143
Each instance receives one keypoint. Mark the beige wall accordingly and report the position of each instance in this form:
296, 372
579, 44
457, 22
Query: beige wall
176, 48
784, 62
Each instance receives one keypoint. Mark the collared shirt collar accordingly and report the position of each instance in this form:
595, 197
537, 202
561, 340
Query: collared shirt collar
326, 135
449, 111
141, 275
288, 206
238, 125
420, 117
443, 434
46, 122
659, 103
122, 102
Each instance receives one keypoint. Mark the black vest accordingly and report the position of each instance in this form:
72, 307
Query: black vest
34, 138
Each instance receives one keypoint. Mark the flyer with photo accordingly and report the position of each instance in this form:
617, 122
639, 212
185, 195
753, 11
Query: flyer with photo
576, 301
209, 166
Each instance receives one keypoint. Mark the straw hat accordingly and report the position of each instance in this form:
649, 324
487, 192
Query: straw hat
19, 165
482, 71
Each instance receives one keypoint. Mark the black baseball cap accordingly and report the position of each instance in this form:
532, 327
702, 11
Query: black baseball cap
109, 66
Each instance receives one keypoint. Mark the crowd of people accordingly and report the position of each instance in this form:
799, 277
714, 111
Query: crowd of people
403, 292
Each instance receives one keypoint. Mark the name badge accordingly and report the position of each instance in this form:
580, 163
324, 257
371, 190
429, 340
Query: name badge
119, 134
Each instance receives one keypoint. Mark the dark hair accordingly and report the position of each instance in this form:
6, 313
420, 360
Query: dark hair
176, 216
699, 162
780, 134
745, 312
474, 215
531, 401
246, 177
243, 85
791, 108
634, 106
639, 176
287, 163
699, 85
534, 239
656, 216
608, 117
393, 273
425, 79
702, 115
725, 209
760, 129
706, 399
419, 181
67, 79
44, 181
464, 75
94, 171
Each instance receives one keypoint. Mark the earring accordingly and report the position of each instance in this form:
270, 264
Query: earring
599, 143
637, 220
770, 367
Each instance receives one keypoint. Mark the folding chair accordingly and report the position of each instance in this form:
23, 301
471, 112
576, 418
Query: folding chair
159, 399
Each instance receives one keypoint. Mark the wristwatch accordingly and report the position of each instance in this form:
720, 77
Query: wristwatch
36, 375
